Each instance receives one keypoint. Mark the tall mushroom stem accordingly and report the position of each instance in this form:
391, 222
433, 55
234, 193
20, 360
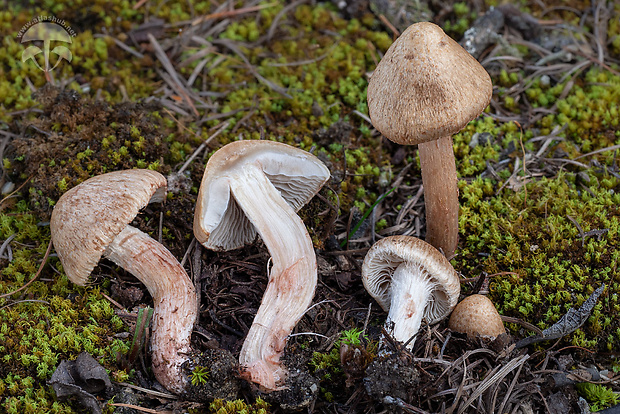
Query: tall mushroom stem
441, 194
174, 298
411, 291
292, 279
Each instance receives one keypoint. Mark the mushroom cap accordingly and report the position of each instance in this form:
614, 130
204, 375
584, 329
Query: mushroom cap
219, 222
90, 215
426, 87
387, 254
476, 316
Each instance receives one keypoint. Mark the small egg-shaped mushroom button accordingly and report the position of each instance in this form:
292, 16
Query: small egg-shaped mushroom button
412, 281
476, 316
252, 187
91, 220
425, 89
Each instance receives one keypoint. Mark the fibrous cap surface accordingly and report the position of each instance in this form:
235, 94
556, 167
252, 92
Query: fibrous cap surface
476, 315
90, 215
426, 87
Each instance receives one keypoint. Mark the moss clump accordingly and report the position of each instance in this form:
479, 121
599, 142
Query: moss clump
75, 139
599, 396
46, 323
545, 265
346, 361
239, 407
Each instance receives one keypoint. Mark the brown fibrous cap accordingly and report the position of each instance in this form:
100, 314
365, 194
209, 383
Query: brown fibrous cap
89, 216
426, 87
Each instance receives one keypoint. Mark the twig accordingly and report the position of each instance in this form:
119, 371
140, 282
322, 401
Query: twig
16, 190
151, 392
176, 83
203, 145
136, 407
112, 301
230, 13
385, 21
5, 244
490, 380
523, 323
612, 148
276, 20
308, 333
120, 44
25, 300
223, 325
230, 45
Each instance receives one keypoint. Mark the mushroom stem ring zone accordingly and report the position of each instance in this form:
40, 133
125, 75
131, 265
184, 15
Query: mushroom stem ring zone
252, 187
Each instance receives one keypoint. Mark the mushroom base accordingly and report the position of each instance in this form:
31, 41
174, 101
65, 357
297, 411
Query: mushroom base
174, 301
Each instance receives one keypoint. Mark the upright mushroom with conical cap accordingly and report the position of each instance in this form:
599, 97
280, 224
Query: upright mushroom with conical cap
91, 220
426, 88
257, 186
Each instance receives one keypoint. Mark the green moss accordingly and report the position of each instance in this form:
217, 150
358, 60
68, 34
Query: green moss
551, 268
239, 407
200, 375
599, 396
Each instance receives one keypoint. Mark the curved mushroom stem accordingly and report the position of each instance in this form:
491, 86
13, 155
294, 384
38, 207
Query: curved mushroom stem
174, 298
292, 279
441, 194
411, 291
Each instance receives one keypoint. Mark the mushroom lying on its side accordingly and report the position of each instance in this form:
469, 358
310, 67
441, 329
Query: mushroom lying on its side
410, 280
91, 220
257, 186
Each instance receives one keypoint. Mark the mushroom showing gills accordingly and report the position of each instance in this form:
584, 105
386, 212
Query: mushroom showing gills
257, 186
91, 220
410, 280
476, 316
426, 88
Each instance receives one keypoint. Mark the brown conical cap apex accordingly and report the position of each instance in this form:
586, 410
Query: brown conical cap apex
426, 87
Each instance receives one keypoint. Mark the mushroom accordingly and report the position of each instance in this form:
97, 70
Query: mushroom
91, 220
257, 186
476, 316
425, 89
410, 280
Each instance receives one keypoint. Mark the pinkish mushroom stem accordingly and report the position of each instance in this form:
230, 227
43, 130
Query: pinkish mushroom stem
174, 301
441, 194
292, 279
